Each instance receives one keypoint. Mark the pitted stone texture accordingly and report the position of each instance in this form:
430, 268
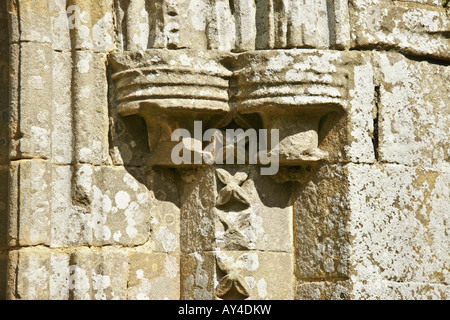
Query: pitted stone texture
32, 102
265, 280
198, 199
153, 276
41, 275
321, 214
62, 136
414, 112
85, 274
90, 108
30, 21
3, 274
90, 23
392, 290
4, 176
32, 180
399, 224
323, 290
408, 26
105, 205
165, 226
120, 207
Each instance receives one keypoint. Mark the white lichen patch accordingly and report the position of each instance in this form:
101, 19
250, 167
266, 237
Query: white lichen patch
122, 199
84, 62
40, 138
167, 239
262, 288
99, 284
79, 282
101, 206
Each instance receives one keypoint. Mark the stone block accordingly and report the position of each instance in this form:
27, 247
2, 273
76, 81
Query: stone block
32, 207
31, 100
121, 208
90, 108
98, 274
237, 275
42, 274
266, 225
323, 290
413, 27
361, 116
414, 117
256, 224
165, 226
60, 19
198, 272
70, 219
198, 199
107, 205
399, 224
321, 214
30, 21
153, 276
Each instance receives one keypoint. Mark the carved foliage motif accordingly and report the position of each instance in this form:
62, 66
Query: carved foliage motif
231, 280
232, 187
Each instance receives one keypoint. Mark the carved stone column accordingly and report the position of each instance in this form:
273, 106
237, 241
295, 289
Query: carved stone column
235, 222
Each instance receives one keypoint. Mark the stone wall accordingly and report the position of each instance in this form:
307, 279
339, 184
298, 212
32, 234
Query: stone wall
93, 207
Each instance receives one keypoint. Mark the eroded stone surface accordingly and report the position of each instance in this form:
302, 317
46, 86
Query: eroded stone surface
202, 275
93, 207
321, 214
154, 276
402, 225
414, 27
413, 111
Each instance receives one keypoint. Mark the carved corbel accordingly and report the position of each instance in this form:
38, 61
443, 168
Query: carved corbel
287, 90
170, 90
291, 91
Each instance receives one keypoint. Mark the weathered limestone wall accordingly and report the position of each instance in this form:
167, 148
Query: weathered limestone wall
4, 142
92, 208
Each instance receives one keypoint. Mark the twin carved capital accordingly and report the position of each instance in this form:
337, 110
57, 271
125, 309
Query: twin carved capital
285, 90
